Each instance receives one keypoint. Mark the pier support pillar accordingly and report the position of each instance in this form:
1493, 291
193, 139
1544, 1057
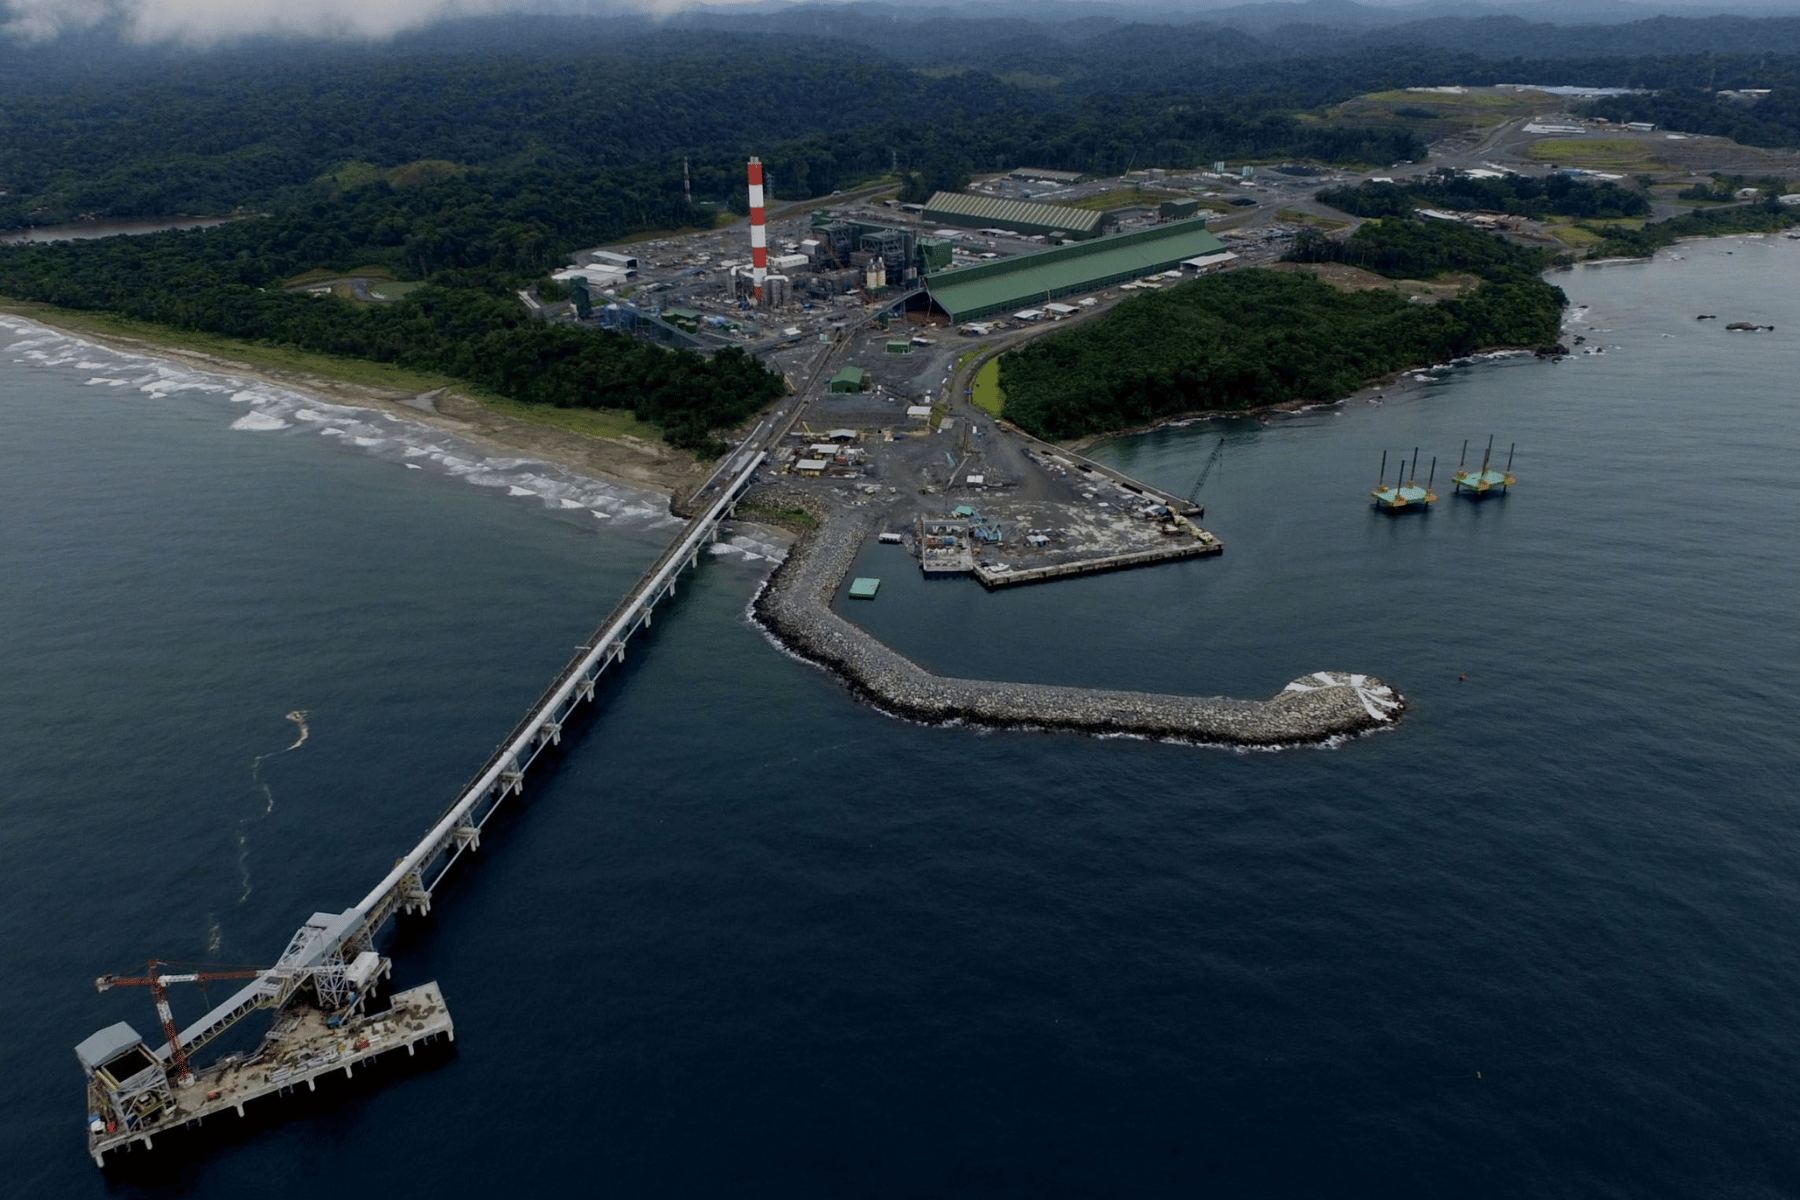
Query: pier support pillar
553, 729
469, 836
312, 1085
512, 781
240, 1108
585, 689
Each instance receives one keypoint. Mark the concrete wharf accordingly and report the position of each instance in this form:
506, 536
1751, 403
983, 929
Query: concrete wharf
1188, 546
330, 963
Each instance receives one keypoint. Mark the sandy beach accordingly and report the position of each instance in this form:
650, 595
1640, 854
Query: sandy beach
635, 462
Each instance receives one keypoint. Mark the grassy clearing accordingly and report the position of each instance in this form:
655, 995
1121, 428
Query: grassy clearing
320, 274
987, 396
966, 357
1299, 218
593, 422
394, 291
1123, 198
1624, 153
1573, 235
1478, 108
1477, 98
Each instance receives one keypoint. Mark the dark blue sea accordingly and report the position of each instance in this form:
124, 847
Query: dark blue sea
751, 938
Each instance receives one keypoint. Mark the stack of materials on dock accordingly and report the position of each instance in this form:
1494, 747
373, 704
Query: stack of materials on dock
134, 1096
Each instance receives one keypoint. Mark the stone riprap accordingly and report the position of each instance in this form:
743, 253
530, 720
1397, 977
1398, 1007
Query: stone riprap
795, 607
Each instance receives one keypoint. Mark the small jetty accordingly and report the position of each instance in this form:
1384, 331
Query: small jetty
1409, 497
1483, 483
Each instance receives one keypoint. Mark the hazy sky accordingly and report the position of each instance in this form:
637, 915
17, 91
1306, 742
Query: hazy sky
207, 20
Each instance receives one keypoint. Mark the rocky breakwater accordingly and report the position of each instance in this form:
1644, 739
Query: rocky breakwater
795, 608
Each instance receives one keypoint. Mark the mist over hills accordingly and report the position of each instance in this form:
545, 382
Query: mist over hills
1083, 44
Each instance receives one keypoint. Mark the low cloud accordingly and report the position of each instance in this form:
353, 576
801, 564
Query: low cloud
220, 20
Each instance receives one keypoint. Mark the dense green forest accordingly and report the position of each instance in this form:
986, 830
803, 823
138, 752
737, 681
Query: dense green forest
1773, 120
225, 281
1519, 195
476, 154
827, 100
1766, 216
1249, 338
1413, 248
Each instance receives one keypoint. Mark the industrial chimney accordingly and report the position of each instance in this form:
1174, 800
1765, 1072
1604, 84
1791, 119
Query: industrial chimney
759, 237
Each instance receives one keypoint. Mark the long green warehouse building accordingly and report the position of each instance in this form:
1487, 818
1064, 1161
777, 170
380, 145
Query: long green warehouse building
1020, 216
969, 293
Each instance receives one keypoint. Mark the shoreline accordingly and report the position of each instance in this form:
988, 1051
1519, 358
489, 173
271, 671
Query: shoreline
629, 462
1402, 383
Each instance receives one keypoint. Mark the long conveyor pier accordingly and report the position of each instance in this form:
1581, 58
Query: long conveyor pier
137, 1091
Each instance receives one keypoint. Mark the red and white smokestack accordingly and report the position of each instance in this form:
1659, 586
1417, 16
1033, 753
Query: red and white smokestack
759, 237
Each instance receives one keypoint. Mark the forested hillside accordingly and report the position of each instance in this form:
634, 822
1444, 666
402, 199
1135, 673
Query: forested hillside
474, 155
1518, 195
1244, 339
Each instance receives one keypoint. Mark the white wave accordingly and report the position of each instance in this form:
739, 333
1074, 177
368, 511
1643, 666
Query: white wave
382, 434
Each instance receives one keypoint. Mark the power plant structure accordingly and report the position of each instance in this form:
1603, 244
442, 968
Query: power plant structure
759, 235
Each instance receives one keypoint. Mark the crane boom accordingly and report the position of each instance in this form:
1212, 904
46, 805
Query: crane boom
158, 983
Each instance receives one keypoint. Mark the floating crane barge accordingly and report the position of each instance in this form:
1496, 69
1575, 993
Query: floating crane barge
1485, 482
320, 986
1408, 498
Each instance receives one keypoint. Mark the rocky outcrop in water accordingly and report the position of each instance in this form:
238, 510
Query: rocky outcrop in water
795, 607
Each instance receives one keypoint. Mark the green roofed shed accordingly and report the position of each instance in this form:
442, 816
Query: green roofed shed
1009, 284
1021, 216
850, 379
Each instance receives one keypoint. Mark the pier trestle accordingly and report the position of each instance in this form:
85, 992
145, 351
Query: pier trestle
332, 954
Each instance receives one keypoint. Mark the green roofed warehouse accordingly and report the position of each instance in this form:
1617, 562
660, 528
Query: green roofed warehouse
1020, 216
969, 293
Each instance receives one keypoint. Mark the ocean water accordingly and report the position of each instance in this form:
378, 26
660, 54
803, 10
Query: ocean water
752, 938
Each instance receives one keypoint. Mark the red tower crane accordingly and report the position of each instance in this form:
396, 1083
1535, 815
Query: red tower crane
158, 983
